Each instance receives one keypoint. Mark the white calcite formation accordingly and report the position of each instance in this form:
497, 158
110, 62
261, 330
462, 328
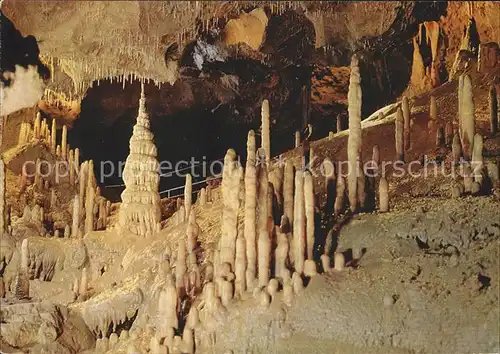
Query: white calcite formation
140, 210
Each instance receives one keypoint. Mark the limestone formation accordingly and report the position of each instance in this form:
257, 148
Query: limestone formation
266, 130
406, 125
340, 195
250, 217
75, 226
53, 137
188, 195
309, 212
288, 190
493, 101
440, 137
203, 197
448, 134
240, 265
467, 120
433, 110
89, 210
354, 140
339, 261
282, 249
140, 210
456, 148
477, 162
231, 178
297, 139
383, 192
64, 142
263, 241
399, 135
299, 224
310, 268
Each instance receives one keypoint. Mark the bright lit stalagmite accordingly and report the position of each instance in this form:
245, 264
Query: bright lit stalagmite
140, 210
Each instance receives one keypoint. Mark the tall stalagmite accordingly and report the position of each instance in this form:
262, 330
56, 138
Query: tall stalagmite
188, 195
140, 210
266, 130
299, 224
354, 140
250, 210
231, 178
467, 120
263, 242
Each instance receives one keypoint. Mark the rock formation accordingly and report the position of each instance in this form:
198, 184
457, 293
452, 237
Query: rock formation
140, 211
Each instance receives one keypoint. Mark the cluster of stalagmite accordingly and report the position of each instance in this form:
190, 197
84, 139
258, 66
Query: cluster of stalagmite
140, 210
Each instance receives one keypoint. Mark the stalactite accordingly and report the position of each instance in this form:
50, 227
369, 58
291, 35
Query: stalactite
250, 210
354, 141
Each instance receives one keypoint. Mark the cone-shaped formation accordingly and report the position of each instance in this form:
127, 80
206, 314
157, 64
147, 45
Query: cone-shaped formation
140, 210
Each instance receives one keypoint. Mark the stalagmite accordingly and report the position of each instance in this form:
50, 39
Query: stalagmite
354, 140
89, 210
180, 266
440, 136
226, 292
288, 294
264, 242
76, 161
310, 268
266, 130
58, 151
187, 341
83, 181
231, 177
297, 283
188, 195
3, 218
398, 127
288, 190
82, 289
37, 126
309, 212
339, 124
339, 261
467, 117
53, 137
299, 227
282, 249
448, 133
167, 309
325, 263
340, 193
71, 166
203, 197
297, 139
456, 149
433, 112
493, 101
477, 162
406, 123
140, 211
75, 226
383, 192
64, 142
192, 233
240, 265
250, 217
